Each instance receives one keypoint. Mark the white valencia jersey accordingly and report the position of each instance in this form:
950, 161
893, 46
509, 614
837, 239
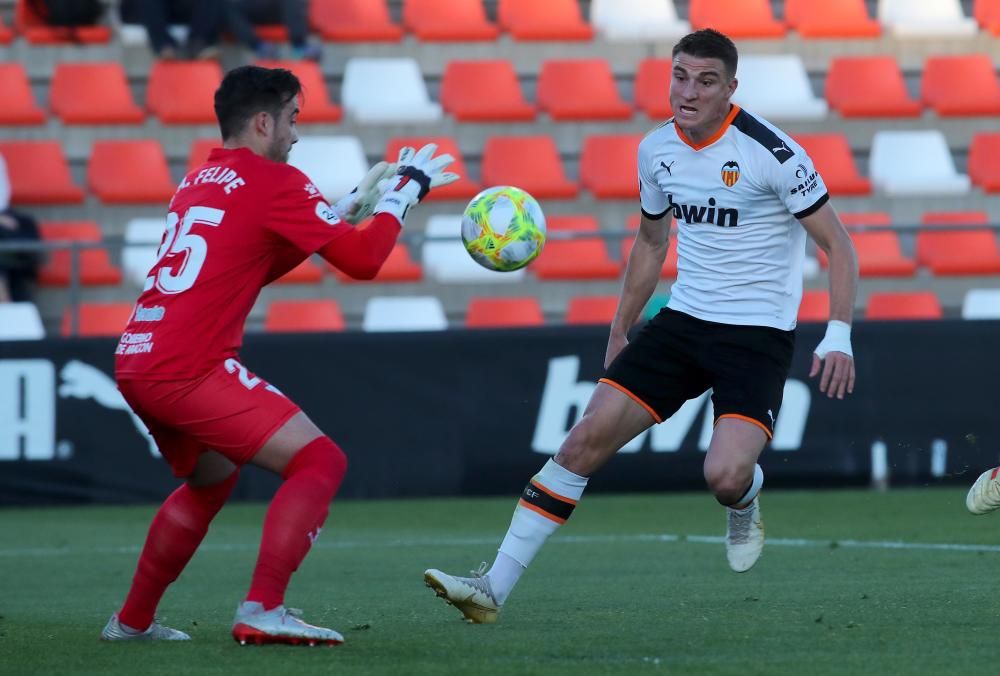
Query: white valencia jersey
736, 197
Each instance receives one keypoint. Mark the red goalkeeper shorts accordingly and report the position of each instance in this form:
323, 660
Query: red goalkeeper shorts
228, 410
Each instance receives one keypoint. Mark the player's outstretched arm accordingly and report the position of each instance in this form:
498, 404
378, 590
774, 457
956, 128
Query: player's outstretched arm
361, 252
641, 276
834, 352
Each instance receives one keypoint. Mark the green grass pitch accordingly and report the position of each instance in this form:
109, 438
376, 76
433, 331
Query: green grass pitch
632, 584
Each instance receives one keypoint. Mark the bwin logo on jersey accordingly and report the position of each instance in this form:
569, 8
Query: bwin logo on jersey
730, 173
697, 213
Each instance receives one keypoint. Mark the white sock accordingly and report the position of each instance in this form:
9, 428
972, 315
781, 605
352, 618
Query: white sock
545, 504
752, 492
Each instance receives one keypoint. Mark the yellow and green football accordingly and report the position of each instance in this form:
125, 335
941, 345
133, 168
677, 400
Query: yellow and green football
503, 228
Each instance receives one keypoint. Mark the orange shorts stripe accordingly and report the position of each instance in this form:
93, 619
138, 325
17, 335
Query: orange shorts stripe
538, 510
753, 421
633, 397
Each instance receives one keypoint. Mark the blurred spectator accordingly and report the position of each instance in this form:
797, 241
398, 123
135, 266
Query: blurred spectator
243, 15
18, 269
68, 13
204, 18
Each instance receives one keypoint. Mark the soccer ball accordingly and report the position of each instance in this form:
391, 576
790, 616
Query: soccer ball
503, 228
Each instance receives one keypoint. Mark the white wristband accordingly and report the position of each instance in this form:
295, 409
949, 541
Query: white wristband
837, 339
397, 202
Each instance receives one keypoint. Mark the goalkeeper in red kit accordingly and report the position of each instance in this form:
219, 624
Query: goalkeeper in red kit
237, 223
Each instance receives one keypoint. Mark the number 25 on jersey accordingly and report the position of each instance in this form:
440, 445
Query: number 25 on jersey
189, 250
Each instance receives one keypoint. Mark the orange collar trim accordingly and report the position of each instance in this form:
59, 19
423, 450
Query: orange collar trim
734, 111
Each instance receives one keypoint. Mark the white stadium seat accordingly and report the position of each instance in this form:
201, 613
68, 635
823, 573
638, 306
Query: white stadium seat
145, 230
637, 19
448, 261
777, 87
914, 163
387, 91
404, 313
335, 164
981, 304
20, 321
142, 239
925, 18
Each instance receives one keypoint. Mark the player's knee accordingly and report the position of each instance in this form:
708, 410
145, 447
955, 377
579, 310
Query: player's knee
324, 460
726, 483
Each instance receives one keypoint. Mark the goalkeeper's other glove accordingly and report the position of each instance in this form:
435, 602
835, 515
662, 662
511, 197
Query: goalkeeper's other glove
359, 204
417, 174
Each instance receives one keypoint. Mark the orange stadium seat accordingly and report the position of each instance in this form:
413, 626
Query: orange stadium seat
579, 258
306, 272
93, 93
183, 92
959, 251
293, 316
493, 313
669, 270
543, 175
984, 161
316, 105
815, 306
98, 319
448, 20
39, 173
961, 85
200, 149
580, 89
652, 88
354, 21
398, 267
833, 159
903, 305
987, 13
608, 167
549, 20
591, 309
462, 188
736, 18
831, 19
869, 86
29, 24
95, 267
129, 172
484, 91
879, 255
315, 102
19, 105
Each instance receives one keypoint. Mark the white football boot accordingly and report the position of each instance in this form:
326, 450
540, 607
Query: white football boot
114, 631
744, 536
984, 496
255, 625
471, 595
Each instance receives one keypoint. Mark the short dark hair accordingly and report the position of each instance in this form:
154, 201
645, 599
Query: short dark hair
248, 90
709, 44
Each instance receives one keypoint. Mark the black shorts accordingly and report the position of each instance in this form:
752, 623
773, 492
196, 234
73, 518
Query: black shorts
676, 357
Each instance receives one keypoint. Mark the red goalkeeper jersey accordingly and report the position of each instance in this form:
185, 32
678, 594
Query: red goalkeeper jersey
235, 224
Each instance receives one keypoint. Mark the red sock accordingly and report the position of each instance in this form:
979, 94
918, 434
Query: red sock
295, 517
177, 530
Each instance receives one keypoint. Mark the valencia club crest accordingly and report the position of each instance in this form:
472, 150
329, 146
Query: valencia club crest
730, 173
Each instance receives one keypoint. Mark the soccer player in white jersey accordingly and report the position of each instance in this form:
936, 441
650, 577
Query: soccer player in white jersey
744, 196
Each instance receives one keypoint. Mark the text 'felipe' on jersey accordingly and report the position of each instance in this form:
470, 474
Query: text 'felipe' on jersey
235, 224
737, 198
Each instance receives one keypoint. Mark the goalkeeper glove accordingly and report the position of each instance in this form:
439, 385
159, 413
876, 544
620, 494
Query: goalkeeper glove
359, 204
417, 174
